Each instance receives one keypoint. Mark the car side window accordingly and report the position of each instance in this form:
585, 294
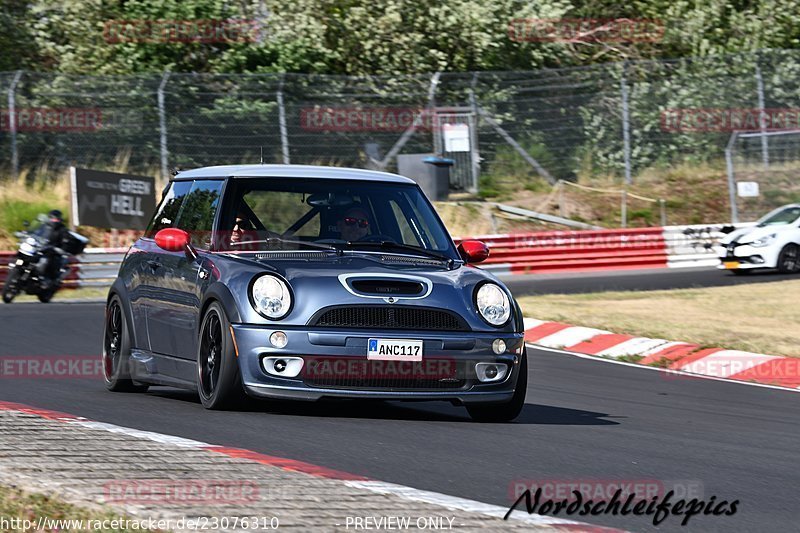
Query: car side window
167, 212
197, 213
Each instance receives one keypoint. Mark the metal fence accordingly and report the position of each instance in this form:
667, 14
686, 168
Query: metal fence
614, 119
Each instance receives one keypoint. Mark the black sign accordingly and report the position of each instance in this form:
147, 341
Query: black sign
110, 200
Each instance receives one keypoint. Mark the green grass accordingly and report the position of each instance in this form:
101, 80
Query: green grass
766, 320
15, 503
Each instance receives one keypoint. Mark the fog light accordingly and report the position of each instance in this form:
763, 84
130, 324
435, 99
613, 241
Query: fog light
488, 372
499, 346
285, 367
278, 339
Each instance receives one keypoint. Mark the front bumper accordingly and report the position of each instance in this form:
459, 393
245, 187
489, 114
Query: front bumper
346, 351
746, 257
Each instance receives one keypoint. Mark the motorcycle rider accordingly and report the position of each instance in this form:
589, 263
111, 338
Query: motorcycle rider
53, 231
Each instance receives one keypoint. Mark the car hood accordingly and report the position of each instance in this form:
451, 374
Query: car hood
326, 281
748, 235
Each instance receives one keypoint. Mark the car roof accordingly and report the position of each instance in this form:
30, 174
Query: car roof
289, 171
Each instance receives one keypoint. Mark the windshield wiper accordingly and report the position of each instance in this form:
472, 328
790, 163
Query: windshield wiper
283, 240
389, 245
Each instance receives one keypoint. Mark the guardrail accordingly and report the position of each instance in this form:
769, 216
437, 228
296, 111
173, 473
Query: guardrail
611, 249
96, 267
520, 253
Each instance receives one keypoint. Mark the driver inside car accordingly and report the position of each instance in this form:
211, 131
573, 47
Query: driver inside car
353, 224
242, 229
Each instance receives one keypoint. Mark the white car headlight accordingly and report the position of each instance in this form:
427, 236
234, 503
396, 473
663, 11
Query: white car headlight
763, 241
493, 304
271, 297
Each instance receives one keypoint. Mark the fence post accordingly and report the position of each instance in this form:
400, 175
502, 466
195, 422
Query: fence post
626, 133
282, 122
561, 207
12, 124
731, 179
414, 125
624, 207
473, 134
762, 116
162, 125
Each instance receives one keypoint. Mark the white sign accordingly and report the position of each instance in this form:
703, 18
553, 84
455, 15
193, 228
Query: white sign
747, 189
456, 137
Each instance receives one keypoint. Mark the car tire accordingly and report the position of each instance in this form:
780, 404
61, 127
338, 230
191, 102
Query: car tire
117, 350
789, 259
219, 381
507, 411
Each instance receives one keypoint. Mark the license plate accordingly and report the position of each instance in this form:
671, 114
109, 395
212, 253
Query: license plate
394, 350
731, 264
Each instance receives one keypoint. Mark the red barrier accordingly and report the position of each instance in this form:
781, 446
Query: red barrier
561, 251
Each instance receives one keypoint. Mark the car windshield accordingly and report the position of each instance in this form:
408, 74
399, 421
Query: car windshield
334, 215
780, 217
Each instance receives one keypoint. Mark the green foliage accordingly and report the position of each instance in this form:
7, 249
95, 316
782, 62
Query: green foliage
14, 212
367, 37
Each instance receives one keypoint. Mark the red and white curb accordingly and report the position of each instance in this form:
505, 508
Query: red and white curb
673, 356
411, 494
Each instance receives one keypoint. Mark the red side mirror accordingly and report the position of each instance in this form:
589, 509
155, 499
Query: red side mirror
172, 239
473, 251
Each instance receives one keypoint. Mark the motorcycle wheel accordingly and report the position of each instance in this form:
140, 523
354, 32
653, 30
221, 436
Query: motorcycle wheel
47, 295
9, 288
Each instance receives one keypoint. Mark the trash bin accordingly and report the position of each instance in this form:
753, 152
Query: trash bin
439, 176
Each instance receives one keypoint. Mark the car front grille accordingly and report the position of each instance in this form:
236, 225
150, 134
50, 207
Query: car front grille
389, 317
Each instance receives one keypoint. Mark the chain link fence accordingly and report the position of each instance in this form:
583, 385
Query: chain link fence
569, 124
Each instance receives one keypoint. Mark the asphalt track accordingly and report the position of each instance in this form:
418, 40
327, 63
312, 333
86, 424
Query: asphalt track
584, 420
635, 280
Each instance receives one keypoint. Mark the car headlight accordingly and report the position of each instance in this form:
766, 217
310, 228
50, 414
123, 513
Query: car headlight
493, 304
763, 241
271, 297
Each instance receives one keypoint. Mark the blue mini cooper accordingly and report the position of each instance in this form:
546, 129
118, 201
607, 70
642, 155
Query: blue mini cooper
303, 282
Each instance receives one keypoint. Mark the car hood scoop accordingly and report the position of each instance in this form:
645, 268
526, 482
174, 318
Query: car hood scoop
386, 285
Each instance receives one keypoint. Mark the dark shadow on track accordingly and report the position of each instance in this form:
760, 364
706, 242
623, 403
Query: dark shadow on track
384, 410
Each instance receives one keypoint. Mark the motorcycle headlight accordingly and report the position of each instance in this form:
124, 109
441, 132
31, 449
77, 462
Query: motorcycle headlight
493, 304
271, 297
763, 241
27, 247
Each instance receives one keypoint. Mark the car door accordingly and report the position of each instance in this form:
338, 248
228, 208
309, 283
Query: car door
142, 270
174, 322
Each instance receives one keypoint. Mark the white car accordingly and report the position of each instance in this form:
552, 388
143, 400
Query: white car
773, 242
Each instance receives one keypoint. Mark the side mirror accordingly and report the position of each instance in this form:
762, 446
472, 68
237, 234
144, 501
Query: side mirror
473, 251
175, 240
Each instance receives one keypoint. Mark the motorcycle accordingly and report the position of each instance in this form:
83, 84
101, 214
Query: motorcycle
32, 272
